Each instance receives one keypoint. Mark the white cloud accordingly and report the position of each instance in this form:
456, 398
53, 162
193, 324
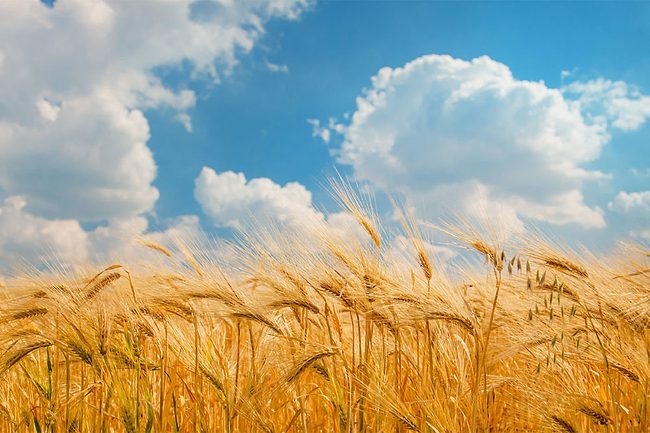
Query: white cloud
85, 67
631, 202
48, 110
319, 131
277, 68
345, 225
402, 248
621, 104
230, 200
464, 135
24, 236
75, 81
635, 208
185, 120
91, 163
120, 239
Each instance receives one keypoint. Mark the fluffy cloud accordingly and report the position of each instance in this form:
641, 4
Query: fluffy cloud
90, 163
319, 131
119, 240
621, 104
635, 207
25, 236
631, 202
467, 135
402, 248
230, 200
76, 80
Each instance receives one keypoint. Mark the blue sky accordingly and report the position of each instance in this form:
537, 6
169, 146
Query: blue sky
248, 75
255, 121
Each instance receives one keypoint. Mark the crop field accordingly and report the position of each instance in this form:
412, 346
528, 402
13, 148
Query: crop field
329, 332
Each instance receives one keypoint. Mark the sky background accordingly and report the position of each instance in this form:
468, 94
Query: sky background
123, 118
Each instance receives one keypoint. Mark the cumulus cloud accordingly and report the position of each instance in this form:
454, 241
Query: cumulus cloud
76, 80
91, 163
27, 238
120, 240
345, 225
468, 136
635, 207
624, 106
631, 202
24, 236
230, 200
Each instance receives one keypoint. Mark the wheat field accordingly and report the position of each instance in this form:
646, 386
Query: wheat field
329, 332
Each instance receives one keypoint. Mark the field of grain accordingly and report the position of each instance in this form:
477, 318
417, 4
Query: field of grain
328, 332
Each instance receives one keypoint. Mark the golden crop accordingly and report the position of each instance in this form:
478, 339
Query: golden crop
329, 332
